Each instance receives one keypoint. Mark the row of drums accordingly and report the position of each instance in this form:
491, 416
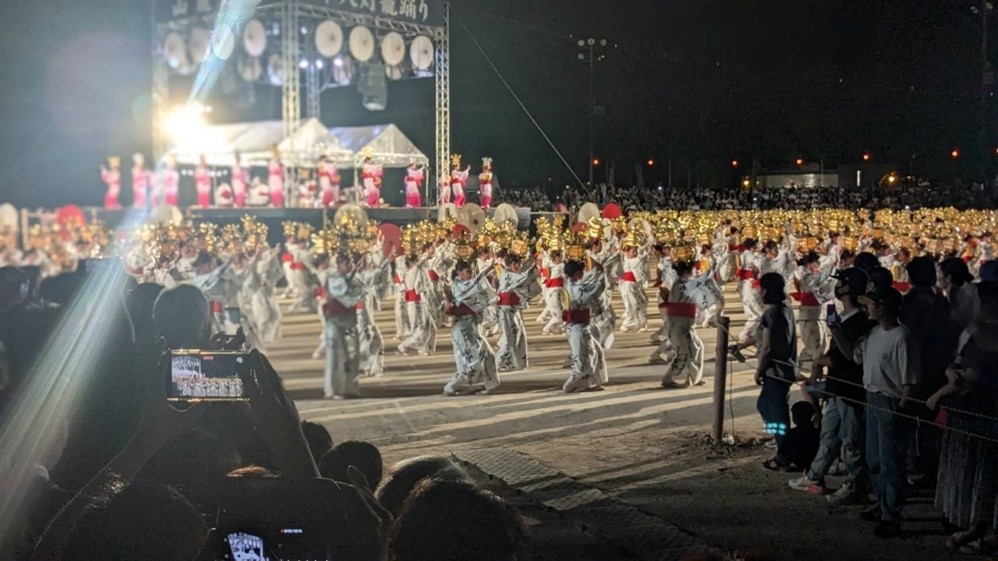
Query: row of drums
183, 52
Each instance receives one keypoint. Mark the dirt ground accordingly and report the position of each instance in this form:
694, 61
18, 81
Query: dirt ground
635, 441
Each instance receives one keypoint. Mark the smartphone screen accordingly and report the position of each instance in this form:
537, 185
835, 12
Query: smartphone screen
208, 376
832, 315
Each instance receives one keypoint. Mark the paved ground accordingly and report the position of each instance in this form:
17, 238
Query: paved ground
639, 445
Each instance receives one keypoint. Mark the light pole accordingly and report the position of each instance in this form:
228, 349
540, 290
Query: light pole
987, 79
590, 54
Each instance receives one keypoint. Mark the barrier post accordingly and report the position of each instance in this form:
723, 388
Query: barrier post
720, 377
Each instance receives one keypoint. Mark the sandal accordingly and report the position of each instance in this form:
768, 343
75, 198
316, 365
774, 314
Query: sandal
960, 540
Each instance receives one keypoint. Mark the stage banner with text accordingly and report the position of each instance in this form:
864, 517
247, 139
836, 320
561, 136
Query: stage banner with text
420, 12
169, 10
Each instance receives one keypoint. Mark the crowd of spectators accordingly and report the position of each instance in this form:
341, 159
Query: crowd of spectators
141, 477
908, 391
649, 198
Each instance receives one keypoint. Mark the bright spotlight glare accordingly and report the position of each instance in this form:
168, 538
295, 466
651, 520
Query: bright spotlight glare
303, 64
338, 62
319, 64
184, 123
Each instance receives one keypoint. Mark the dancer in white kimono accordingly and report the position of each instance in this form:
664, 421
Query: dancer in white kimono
343, 293
588, 364
808, 280
632, 284
258, 299
687, 364
490, 316
748, 289
418, 298
664, 282
473, 356
376, 285
604, 319
554, 295
707, 262
517, 286
402, 327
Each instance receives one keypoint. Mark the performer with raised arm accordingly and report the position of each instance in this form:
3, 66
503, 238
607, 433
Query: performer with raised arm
170, 179
517, 286
370, 174
688, 358
748, 284
240, 182
485, 183
470, 295
141, 181
418, 297
808, 280
666, 279
584, 290
202, 182
111, 176
632, 282
275, 178
458, 180
329, 183
343, 293
444, 186
414, 175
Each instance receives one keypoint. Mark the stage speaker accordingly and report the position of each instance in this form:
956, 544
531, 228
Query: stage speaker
374, 88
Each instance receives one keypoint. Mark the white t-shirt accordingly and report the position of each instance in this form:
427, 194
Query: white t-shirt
890, 360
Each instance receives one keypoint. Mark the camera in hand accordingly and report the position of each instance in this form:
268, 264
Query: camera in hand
208, 376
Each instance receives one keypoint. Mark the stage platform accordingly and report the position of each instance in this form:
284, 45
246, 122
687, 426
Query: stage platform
274, 217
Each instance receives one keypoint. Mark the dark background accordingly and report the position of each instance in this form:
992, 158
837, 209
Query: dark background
697, 81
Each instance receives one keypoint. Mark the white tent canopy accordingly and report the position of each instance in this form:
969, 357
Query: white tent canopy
386, 144
345, 146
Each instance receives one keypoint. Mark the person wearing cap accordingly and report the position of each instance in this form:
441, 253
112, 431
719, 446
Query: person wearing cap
842, 418
891, 369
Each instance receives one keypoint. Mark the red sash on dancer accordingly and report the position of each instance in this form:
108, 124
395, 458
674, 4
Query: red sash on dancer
576, 317
509, 299
681, 309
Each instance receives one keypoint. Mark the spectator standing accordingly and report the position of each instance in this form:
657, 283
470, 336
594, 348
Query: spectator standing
842, 420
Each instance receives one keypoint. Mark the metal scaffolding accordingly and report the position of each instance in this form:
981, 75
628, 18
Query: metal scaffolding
291, 82
442, 102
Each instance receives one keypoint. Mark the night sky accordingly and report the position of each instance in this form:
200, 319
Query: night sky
700, 81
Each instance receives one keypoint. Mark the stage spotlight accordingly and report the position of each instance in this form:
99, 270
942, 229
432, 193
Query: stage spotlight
184, 123
319, 64
338, 61
303, 64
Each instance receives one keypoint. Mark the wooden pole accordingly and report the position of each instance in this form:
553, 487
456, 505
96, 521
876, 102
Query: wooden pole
720, 377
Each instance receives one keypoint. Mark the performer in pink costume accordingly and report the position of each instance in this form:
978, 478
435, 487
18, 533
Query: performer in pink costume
141, 179
370, 174
414, 175
444, 186
458, 180
329, 183
111, 176
275, 179
202, 183
171, 182
239, 181
485, 183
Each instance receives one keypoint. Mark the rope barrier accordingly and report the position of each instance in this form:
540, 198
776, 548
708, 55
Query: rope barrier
864, 404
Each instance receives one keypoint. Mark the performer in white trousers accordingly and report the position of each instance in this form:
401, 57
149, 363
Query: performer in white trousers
517, 286
418, 298
604, 319
588, 363
299, 276
666, 278
707, 262
632, 286
748, 289
808, 281
473, 356
258, 298
402, 326
490, 316
687, 364
554, 295
376, 284
343, 293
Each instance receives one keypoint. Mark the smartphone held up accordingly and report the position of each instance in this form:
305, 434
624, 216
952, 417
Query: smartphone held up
209, 376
